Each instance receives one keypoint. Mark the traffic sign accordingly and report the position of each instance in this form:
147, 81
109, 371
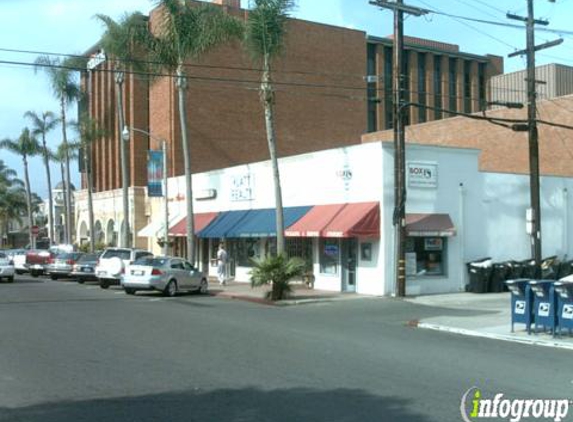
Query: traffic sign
35, 230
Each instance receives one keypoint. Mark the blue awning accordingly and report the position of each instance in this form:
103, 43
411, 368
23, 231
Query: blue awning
250, 223
262, 223
222, 224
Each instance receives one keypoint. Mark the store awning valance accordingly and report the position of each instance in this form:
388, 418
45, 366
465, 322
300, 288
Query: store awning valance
223, 224
314, 221
155, 228
262, 223
200, 220
355, 220
436, 225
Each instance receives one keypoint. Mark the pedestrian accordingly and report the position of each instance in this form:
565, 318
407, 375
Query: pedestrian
222, 259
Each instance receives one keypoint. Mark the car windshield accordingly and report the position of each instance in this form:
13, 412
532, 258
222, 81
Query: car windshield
91, 257
151, 262
122, 254
3, 255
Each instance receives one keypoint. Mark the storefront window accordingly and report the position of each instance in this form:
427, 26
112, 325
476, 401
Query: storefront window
426, 256
329, 256
300, 248
246, 250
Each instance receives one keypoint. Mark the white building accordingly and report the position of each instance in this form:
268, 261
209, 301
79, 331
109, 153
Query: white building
338, 215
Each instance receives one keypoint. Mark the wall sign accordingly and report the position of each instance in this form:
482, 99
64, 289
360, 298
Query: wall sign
242, 187
422, 175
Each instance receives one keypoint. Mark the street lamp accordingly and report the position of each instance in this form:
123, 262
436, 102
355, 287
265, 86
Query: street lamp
125, 135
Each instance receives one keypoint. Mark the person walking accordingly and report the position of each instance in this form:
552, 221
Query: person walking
222, 259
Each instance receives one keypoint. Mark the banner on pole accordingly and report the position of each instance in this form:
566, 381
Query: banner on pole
154, 173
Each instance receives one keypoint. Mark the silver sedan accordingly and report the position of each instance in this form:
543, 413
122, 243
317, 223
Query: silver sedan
166, 274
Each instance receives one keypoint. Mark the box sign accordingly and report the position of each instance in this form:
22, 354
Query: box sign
422, 175
242, 187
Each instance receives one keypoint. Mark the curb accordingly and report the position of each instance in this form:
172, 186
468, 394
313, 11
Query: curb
287, 302
503, 337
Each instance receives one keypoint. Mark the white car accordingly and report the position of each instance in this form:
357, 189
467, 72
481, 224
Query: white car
6, 268
19, 258
112, 262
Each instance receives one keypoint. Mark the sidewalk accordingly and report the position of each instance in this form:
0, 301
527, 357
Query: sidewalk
488, 316
300, 294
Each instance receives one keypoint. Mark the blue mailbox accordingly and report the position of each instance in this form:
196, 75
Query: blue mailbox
544, 304
564, 293
521, 302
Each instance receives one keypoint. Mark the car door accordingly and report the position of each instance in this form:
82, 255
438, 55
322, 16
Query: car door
192, 274
178, 271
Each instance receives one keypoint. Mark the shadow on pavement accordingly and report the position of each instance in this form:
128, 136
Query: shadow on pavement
243, 405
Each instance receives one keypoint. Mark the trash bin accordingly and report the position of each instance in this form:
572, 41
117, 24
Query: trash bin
515, 270
480, 273
521, 302
530, 270
544, 304
565, 269
550, 268
499, 273
564, 293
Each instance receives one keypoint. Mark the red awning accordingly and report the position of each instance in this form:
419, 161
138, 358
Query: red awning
436, 225
355, 220
201, 221
314, 221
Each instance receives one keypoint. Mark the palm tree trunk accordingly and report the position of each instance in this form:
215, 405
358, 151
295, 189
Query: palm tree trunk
126, 238
267, 96
87, 159
190, 232
28, 202
67, 183
49, 180
66, 235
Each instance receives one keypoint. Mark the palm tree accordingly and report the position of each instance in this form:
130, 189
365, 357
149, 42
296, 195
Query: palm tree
264, 40
12, 199
63, 155
186, 33
90, 131
61, 74
41, 125
125, 42
25, 146
278, 271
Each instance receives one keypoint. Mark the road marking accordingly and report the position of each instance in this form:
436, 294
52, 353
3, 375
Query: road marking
155, 300
118, 293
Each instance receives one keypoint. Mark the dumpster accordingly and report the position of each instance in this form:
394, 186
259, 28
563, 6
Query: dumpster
480, 273
521, 303
499, 273
564, 293
544, 304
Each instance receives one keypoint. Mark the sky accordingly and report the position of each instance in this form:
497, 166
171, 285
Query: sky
68, 26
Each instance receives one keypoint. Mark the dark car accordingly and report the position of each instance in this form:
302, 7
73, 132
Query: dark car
84, 268
62, 265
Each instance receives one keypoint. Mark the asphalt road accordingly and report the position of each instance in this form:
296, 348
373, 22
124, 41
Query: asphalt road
77, 353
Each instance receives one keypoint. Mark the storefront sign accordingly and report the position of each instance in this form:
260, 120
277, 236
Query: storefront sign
433, 244
242, 187
422, 175
345, 174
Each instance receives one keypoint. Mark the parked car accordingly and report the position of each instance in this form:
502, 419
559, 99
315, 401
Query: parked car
6, 268
112, 262
62, 265
84, 268
37, 261
166, 274
19, 258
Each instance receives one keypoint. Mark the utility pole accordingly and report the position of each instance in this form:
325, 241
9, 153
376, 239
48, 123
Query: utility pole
535, 213
399, 216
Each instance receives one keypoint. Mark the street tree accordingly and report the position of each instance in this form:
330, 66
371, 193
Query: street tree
12, 199
184, 33
41, 126
125, 43
25, 146
89, 131
62, 76
264, 40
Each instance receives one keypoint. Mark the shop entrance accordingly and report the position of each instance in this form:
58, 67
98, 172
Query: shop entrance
349, 257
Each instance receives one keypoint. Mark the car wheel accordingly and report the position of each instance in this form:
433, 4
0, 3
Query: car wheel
34, 274
129, 291
19, 272
81, 281
204, 287
104, 284
170, 289
11, 279
53, 277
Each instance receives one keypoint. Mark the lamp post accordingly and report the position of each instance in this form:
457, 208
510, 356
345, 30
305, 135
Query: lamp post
125, 136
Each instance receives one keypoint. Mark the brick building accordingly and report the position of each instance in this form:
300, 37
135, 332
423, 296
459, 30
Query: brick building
332, 86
